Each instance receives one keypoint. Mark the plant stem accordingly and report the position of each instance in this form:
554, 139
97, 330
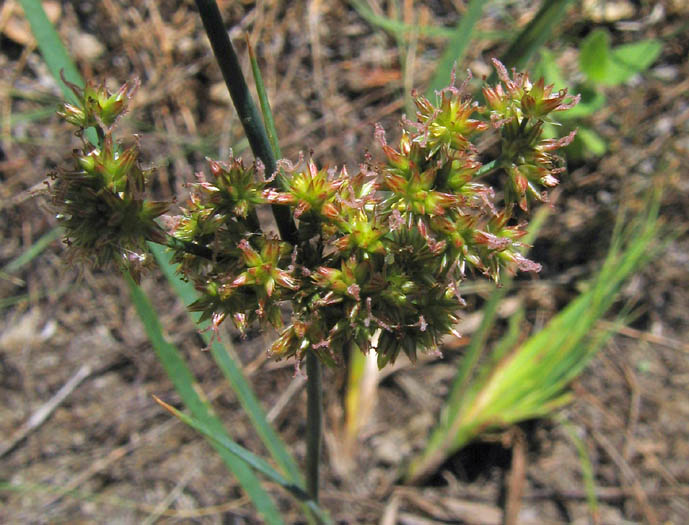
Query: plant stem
188, 246
314, 422
243, 102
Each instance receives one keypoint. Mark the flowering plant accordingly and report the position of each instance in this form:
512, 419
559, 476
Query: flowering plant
372, 261
381, 252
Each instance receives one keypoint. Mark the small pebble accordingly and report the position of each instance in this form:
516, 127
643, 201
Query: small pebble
666, 73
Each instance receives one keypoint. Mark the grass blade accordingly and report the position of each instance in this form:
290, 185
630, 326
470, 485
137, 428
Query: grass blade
32, 251
251, 459
586, 468
397, 28
54, 53
534, 35
263, 100
186, 387
50, 45
456, 47
248, 457
228, 364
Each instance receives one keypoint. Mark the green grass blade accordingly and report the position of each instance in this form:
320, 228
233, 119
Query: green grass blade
228, 364
264, 102
50, 45
586, 466
251, 459
456, 47
186, 387
248, 457
397, 28
32, 251
534, 35
530, 381
54, 53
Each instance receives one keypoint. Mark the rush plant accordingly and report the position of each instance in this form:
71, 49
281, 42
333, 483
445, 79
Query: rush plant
367, 260
380, 252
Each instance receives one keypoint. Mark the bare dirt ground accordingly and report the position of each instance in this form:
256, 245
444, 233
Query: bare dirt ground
331, 75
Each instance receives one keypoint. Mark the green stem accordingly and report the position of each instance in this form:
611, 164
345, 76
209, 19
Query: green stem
486, 168
314, 422
243, 102
188, 246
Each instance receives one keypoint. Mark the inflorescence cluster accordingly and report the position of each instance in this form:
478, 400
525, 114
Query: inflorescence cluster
380, 254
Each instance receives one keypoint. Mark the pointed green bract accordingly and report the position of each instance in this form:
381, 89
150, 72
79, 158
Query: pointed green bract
263, 100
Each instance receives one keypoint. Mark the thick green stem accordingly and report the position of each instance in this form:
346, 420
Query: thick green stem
314, 423
244, 104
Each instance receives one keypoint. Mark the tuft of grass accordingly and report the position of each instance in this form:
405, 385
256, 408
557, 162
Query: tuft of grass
530, 381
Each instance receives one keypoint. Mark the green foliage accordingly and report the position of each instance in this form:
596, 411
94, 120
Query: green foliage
603, 66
